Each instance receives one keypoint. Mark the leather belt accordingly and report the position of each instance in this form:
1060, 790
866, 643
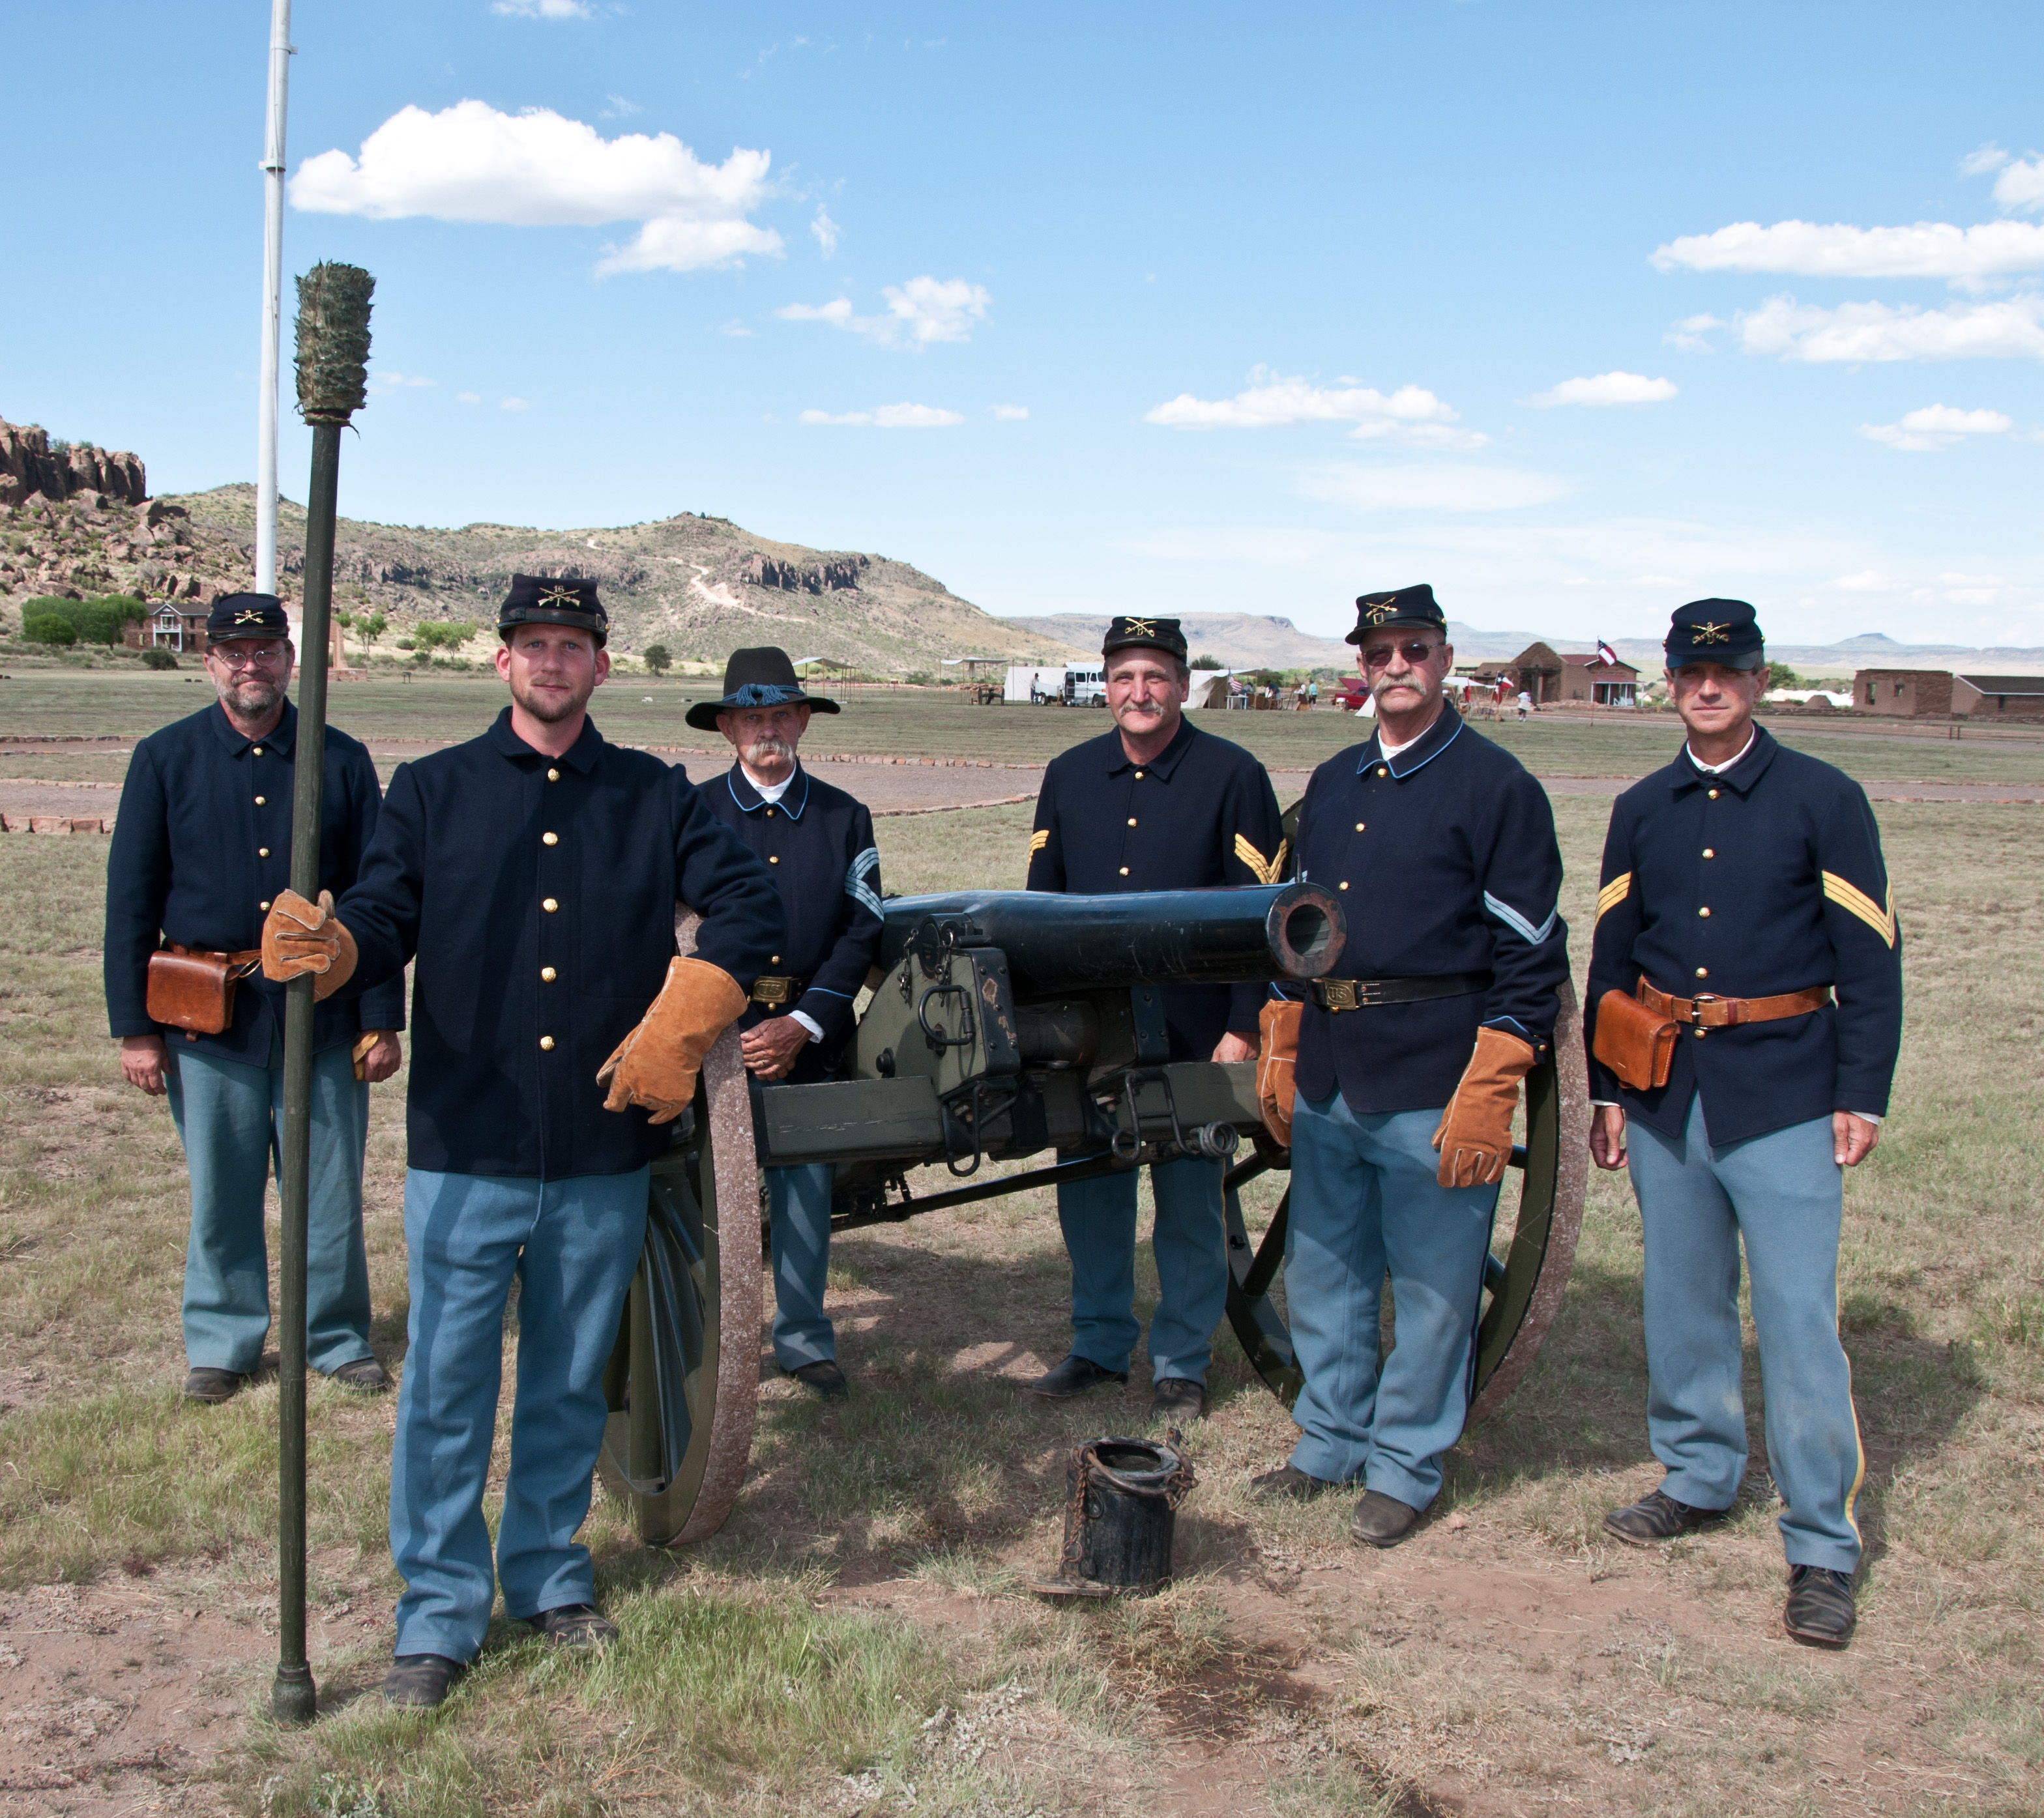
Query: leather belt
1365, 994
241, 965
771, 990
1709, 1012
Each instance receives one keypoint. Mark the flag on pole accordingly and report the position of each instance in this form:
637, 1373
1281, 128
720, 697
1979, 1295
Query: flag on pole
1606, 653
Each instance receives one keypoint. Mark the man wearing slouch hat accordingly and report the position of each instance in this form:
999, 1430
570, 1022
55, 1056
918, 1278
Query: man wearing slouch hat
1441, 850
533, 874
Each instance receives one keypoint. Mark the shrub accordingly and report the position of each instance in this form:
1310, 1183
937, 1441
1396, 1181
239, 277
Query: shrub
658, 659
433, 635
157, 657
46, 627
1203, 661
97, 621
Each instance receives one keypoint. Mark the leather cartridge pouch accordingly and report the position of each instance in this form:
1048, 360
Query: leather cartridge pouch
194, 991
1635, 1043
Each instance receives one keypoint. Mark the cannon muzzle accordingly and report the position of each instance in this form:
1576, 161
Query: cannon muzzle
1056, 944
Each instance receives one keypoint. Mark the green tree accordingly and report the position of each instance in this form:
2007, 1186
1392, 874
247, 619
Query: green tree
47, 628
439, 635
658, 659
1203, 661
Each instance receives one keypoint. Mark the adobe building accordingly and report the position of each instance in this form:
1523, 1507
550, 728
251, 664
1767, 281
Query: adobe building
1912, 692
1998, 697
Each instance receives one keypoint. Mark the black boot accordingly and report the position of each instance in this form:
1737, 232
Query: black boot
1381, 1521
1821, 1613
1073, 1377
1659, 1517
576, 1625
421, 1681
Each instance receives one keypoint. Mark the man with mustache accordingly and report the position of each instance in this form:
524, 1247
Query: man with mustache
201, 848
533, 874
1154, 805
818, 842
1442, 851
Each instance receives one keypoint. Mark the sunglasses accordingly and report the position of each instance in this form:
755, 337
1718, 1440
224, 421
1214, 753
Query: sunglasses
1378, 656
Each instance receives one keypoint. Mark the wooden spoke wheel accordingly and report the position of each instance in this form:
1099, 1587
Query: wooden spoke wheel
1531, 1256
683, 1382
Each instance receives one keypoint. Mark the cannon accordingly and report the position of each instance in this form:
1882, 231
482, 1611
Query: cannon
1001, 1025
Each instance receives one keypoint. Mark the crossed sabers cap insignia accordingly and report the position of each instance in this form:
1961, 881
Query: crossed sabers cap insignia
1140, 627
1377, 614
1713, 633
249, 615
558, 596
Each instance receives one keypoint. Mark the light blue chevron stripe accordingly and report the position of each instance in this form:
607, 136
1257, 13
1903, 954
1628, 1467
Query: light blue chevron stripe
1518, 923
865, 865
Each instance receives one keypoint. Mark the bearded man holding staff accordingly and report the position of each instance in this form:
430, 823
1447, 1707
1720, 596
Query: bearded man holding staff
1442, 850
532, 873
818, 842
1154, 805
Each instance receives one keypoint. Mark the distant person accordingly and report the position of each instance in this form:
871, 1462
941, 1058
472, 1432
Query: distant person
1525, 704
202, 847
1749, 877
1408, 1071
818, 842
532, 873
1154, 804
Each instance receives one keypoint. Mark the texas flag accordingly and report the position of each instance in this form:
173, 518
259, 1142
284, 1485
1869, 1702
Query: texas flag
1606, 653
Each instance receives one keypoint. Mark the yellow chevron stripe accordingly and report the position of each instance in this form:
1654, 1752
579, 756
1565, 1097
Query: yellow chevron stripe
1856, 901
1612, 894
1038, 840
1266, 869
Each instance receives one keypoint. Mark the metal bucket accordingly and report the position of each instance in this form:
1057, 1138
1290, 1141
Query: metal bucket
1121, 1511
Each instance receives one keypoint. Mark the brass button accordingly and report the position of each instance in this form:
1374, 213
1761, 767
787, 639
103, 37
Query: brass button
1384, 769
550, 839
546, 975
773, 858
1709, 852
1714, 795
547, 1043
1702, 912
1358, 827
775, 960
1131, 820
258, 750
1139, 776
1703, 972
262, 852
259, 801
262, 906
553, 776
1700, 1034
549, 904
1125, 871
1344, 884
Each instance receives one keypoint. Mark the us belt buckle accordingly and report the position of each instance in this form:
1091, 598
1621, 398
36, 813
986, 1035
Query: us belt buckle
1346, 994
773, 991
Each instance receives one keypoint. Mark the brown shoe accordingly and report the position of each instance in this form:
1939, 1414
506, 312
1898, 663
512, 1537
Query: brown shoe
213, 1386
1658, 1517
1381, 1521
1177, 1398
365, 1375
1288, 1480
1821, 1612
823, 1378
575, 1625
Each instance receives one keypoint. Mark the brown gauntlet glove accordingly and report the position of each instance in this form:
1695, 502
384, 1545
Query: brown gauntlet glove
1475, 1136
655, 1065
1275, 1057
300, 937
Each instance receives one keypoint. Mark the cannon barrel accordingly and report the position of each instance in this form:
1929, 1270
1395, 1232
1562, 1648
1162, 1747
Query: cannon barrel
1057, 944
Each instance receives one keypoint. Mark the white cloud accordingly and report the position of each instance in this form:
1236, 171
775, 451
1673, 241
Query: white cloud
1936, 426
923, 310
1608, 388
2021, 184
470, 162
1688, 334
888, 416
1012, 413
468, 397
619, 107
1432, 489
1878, 332
541, 8
398, 381
1990, 157
736, 330
1409, 414
828, 233
512, 404
1929, 249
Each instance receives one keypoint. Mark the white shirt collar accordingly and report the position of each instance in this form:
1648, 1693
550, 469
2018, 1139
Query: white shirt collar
767, 791
1752, 733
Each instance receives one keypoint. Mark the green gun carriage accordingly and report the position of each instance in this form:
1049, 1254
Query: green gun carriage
1002, 1026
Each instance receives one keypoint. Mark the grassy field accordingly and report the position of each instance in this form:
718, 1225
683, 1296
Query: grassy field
858, 1639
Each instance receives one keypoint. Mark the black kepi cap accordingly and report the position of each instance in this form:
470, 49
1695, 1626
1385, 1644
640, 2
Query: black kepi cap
1128, 632
763, 676
1397, 606
246, 615
1723, 631
536, 599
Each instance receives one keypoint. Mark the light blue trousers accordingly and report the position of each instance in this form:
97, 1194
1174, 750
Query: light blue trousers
798, 1205
573, 1245
1190, 1245
1784, 1195
230, 1118
1366, 1202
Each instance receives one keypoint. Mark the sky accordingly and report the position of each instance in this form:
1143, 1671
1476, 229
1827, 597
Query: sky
1575, 312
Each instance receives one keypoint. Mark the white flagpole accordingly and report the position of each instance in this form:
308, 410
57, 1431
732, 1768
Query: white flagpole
273, 284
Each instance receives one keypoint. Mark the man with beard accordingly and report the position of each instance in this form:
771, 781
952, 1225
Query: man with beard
201, 848
1154, 805
818, 841
1442, 849
533, 874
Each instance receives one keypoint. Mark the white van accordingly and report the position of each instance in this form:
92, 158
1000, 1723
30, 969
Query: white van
1086, 687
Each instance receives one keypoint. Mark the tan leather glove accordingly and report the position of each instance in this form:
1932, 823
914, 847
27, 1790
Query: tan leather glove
300, 937
1279, 1026
1475, 1136
655, 1065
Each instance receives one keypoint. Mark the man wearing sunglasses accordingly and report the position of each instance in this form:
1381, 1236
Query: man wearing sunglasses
1442, 851
202, 844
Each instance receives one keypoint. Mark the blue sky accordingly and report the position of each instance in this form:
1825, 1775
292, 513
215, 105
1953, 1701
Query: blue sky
1089, 307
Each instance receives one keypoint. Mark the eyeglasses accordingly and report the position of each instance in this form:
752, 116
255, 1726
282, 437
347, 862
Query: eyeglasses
242, 656
1417, 655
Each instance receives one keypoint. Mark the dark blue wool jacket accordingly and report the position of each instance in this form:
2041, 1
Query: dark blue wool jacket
1765, 879
1200, 814
202, 844
538, 895
1444, 861
818, 842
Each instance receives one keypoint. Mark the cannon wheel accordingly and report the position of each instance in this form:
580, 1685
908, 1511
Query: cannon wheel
694, 1309
1522, 1287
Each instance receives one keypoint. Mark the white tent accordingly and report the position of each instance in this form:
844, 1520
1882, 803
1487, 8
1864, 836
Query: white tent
1210, 689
